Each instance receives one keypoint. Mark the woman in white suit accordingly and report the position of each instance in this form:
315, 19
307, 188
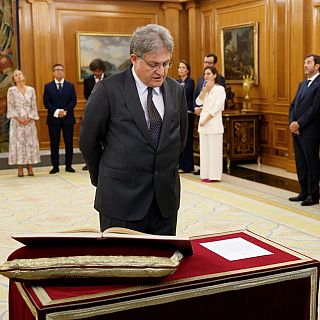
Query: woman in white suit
212, 98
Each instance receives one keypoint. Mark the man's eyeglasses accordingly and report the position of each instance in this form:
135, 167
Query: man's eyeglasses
156, 66
58, 70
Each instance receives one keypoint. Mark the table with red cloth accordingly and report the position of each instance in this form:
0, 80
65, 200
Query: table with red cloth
279, 286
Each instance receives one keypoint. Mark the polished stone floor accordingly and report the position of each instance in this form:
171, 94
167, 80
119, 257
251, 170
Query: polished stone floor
270, 178
64, 201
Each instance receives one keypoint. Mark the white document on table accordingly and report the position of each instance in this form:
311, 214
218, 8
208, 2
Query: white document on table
235, 249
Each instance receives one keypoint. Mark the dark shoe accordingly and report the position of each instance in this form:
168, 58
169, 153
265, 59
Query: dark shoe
183, 171
196, 173
85, 167
70, 169
54, 170
309, 201
299, 197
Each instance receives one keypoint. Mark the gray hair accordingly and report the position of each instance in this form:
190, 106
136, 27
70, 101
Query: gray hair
151, 38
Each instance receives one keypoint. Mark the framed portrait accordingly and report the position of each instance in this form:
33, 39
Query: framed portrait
114, 49
239, 46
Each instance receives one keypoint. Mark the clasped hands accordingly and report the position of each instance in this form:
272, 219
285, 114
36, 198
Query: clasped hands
23, 121
62, 113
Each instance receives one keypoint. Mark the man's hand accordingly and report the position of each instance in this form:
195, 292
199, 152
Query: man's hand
294, 127
62, 113
197, 110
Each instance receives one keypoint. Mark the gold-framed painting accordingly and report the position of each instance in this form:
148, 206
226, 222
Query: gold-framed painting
239, 52
114, 49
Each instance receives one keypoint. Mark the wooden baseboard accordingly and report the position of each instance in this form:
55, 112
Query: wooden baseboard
279, 162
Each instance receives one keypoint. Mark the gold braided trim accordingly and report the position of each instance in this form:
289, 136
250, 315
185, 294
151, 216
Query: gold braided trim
185, 293
91, 267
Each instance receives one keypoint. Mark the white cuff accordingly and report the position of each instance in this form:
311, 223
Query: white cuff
56, 113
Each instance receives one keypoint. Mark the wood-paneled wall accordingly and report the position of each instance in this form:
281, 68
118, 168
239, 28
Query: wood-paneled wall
48, 36
288, 30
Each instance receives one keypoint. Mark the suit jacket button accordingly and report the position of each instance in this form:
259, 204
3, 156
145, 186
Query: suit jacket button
156, 173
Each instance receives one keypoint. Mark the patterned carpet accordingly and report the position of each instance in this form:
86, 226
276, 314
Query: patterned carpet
47, 203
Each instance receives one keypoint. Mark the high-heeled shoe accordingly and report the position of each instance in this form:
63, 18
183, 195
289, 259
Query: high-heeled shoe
20, 174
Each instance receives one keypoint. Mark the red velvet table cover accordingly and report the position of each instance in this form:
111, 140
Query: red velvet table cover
282, 285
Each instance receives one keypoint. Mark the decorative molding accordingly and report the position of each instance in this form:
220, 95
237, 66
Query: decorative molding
39, 1
172, 5
192, 5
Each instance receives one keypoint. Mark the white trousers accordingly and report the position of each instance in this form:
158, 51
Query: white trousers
211, 156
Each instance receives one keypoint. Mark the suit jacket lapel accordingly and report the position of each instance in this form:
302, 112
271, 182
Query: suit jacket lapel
304, 92
129, 91
92, 82
167, 94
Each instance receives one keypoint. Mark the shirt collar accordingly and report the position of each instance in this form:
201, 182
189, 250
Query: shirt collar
313, 77
56, 81
141, 87
101, 77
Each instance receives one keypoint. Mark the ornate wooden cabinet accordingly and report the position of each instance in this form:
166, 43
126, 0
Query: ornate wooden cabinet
241, 139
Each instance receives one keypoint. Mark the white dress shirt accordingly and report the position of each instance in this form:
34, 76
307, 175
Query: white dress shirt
143, 93
56, 113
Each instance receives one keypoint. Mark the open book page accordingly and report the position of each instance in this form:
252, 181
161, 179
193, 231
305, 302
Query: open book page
88, 230
182, 244
121, 231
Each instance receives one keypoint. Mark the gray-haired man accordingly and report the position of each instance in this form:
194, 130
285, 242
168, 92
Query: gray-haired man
133, 131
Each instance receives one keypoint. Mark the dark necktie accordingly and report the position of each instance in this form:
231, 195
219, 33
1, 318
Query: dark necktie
154, 118
59, 85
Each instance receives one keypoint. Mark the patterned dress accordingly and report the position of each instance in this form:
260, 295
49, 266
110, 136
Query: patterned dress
23, 139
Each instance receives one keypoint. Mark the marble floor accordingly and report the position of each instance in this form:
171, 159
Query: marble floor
64, 201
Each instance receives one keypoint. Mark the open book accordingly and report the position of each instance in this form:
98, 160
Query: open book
182, 244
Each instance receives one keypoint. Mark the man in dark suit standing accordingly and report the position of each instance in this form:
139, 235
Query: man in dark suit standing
304, 123
60, 98
132, 133
98, 69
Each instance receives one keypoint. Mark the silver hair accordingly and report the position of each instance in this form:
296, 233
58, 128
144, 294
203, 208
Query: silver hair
151, 38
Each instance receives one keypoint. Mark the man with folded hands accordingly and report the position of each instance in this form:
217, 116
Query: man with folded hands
304, 124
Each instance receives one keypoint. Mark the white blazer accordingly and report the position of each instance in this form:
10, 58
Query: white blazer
213, 104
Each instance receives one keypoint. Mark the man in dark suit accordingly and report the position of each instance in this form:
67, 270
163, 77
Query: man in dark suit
132, 133
210, 60
304, 123
60, 98
98, 69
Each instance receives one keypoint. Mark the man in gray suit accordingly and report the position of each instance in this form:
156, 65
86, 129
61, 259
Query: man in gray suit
132, 133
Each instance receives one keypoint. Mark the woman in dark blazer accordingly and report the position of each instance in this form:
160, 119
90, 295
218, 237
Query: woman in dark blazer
186, 158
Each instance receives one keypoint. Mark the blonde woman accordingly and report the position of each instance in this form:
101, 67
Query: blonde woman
210, 128
22, 112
